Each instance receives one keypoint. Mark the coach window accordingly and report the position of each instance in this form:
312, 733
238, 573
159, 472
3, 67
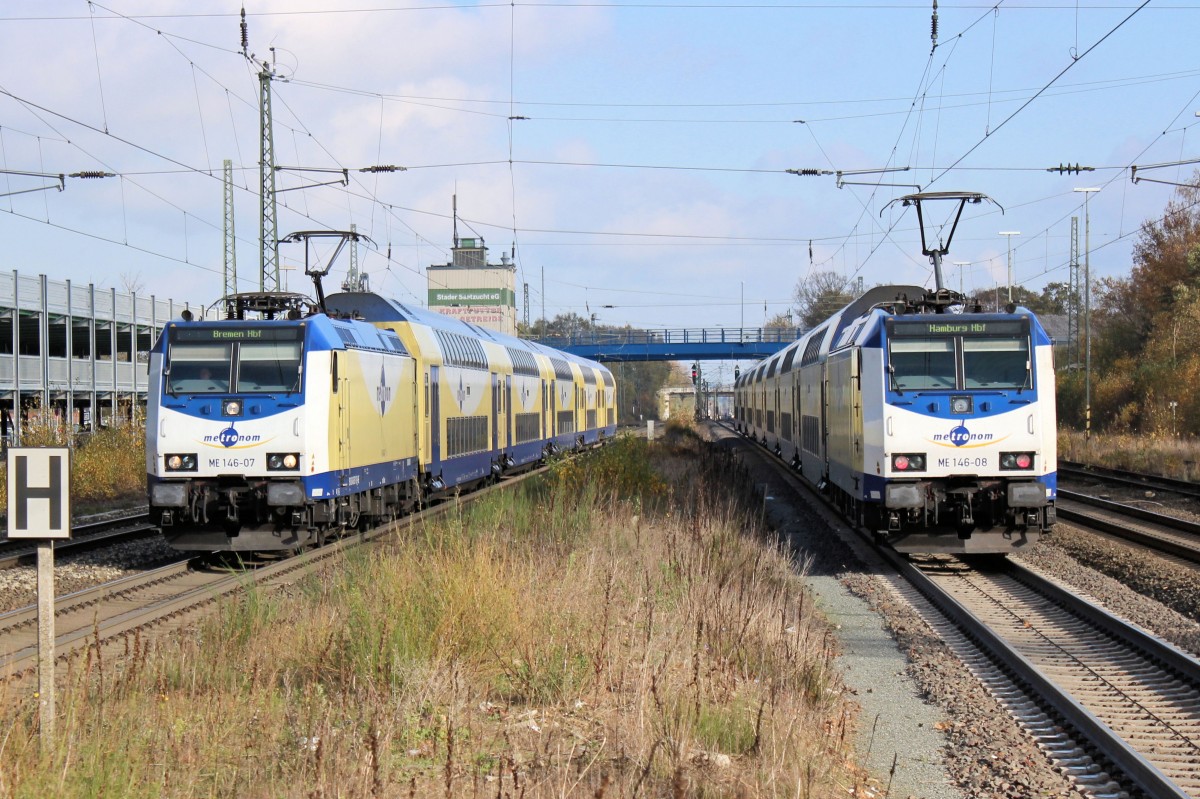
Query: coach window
922, 363
996, 363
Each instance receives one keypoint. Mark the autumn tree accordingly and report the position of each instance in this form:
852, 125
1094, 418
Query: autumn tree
1054, 298
820, 295
1146, 332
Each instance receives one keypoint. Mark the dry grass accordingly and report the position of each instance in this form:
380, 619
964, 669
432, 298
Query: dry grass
1166, 455
630, 634
107, 466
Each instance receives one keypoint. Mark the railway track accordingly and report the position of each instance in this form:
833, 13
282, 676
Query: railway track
1114, 707
85, 537
1133, 698
1162, 532
167, 596
1185, 488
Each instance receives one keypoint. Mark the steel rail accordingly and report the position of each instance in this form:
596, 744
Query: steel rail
89, 627
1179, 537
1137, 479
1144, 774
1133, 766
90, 536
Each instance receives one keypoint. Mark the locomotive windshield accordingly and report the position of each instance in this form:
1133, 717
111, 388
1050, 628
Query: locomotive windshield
214, 360
923, 363
959, 355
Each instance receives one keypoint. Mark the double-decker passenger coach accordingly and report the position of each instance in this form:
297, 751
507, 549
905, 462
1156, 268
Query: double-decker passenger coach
934, 430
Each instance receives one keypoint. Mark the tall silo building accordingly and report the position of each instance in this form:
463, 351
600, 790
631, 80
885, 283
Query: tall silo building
473, 290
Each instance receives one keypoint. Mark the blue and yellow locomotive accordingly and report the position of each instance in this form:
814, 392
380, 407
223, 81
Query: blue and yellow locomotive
936, 431
285, 423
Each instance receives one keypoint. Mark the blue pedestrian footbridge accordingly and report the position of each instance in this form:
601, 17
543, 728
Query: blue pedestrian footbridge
705, 344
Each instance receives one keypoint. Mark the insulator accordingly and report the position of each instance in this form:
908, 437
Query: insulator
94, 173
384, 168
245, 37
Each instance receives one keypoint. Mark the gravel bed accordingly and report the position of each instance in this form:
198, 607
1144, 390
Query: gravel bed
1157, 593
984, 753
966, 745
1165, 502
18, 586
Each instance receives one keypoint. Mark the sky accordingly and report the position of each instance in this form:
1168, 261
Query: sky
633, 156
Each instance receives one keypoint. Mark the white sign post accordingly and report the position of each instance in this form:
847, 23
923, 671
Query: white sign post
39, 507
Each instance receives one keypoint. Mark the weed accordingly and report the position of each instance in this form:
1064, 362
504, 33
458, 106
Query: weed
627, 630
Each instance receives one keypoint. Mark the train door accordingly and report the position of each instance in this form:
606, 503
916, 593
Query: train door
856, 408
435, 414
497, 402
341, 392
508, 412
824, 438
796, 406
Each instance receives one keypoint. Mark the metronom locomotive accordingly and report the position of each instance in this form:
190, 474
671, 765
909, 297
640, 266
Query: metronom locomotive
933, 430
289, 421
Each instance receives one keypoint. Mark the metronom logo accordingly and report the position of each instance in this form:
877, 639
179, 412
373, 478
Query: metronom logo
960, 435
230, 437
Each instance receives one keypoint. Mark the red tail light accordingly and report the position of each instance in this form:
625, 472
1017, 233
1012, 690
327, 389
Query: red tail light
1016, 461
909, 462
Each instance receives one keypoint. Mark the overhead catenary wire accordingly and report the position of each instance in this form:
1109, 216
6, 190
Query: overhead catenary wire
395, 210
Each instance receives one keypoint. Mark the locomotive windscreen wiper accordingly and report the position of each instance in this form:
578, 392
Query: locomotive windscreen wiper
892, 378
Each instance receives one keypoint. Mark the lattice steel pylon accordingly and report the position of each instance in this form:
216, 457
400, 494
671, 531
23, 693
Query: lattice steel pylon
355, 279
268, 273
1074, 292
230, 259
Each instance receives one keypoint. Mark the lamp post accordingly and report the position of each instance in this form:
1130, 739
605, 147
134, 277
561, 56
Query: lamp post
1087, 314
960, 265
1009, 234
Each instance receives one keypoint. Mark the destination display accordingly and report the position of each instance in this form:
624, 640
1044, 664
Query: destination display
290, 333
964, 327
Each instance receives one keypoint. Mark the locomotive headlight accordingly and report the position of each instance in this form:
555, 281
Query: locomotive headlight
232, 408
909, 462
181, 462
1016, 461
282, 461
960, 405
